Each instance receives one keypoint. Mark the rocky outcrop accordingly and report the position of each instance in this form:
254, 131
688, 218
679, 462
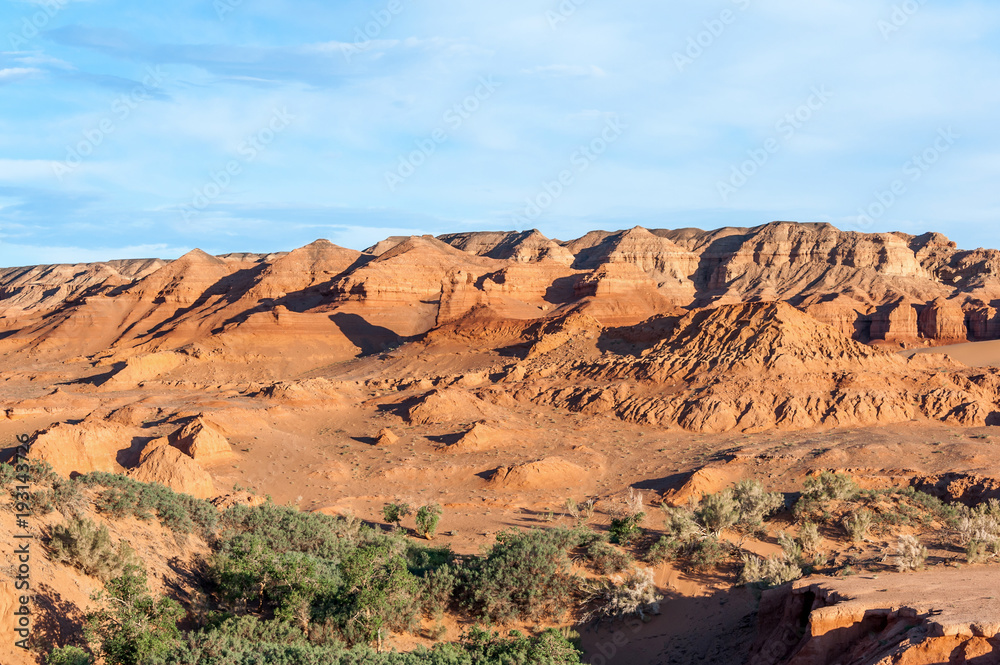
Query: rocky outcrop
943, 320
90, 446
760, 366
481, 436
168, 466
143, 368
895, 323
926, 618
524, 247
448, 405
202, 442
386, 437
335, 303
549, 473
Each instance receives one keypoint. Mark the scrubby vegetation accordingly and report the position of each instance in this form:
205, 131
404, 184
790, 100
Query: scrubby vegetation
123, 497
83, 544
692, 533
284, 586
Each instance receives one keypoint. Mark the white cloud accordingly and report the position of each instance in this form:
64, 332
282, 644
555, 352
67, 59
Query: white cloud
14, 73
26, 170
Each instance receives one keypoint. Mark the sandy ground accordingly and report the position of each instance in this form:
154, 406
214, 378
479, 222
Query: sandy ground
973, 354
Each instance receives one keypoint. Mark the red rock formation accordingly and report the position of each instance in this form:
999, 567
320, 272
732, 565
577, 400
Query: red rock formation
895, 323
913, 618
943, 321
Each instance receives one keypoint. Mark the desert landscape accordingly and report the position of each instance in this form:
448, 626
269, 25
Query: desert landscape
770, 445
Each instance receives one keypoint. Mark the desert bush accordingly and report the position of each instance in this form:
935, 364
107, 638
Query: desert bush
666, 548
84, 545
858, 525
717, 512
790, 547
625, 529
707, 554
123, 496
634, 503
36, 472
587, 508
829, 487
131, 627
980, 524
770, 572
68, 655
64, 496
395, 513
810, 538
607, 559
377, 593
524, 576
910, 554
427, 520
438, 591
249, 641
572, 508
977, 551
754, 505
625, 596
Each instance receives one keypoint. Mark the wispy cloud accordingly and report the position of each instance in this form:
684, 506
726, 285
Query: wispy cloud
368, 95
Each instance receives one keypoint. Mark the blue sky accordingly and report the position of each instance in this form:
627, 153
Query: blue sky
134, 129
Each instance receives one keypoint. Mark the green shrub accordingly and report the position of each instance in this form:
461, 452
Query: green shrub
606, 559
64, 496
249, 641
830, 486
717, 512
68, 655
707, 554
769, 572
438, 591
131, 627
525, 576
395, 513
124, 497
625, 529
81, 543
977, 551
810, 538
754, 505
427, 520
858, 525
378, 593
667, 548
